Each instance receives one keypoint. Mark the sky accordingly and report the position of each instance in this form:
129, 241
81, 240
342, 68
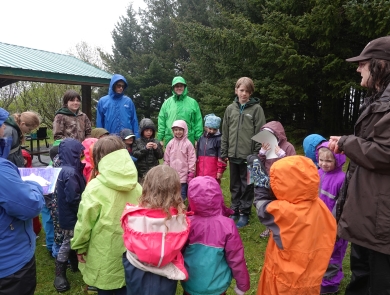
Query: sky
57, 26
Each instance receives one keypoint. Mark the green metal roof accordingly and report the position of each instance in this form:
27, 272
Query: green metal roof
18, 63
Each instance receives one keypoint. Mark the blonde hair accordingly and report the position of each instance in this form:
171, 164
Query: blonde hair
247, 83
30, 118
161, 190
102, 148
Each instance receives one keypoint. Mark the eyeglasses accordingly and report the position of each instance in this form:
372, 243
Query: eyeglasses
120, 85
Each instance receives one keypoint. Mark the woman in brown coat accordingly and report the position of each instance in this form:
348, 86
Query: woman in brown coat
365, 219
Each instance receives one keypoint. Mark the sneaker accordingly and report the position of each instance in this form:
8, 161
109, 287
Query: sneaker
265, 234
242, 221
235, 217
92, 290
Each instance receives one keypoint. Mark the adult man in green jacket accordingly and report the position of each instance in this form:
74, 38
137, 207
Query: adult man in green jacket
179, 107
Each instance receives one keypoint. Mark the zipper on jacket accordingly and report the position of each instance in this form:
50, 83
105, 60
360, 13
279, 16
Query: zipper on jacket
238, 128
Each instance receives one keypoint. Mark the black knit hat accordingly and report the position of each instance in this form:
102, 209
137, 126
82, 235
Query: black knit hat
377, 48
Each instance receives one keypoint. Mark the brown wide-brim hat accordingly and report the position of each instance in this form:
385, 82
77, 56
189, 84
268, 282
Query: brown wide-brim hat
99, 132
377, 48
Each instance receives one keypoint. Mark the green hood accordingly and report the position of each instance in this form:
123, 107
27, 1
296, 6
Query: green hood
181, 80
251, 101
66, 111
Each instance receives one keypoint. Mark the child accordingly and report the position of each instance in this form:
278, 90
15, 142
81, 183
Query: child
222, 250
155, 232
208, 150
98, 233
310, 144
331, 180
87, 159
283, 149
303, 231
180, 155
69, 120
242, 120
128, 138
70, 186
147, 149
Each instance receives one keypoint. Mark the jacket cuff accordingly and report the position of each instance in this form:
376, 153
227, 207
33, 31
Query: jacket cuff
341, 142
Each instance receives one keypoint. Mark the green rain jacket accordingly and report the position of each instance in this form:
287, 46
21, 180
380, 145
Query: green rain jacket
180, 107
98, 230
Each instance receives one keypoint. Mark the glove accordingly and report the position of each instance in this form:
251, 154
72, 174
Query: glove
190, 176
238, 291
260, 177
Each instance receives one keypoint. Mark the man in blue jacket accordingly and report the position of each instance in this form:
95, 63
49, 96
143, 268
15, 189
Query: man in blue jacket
20, 202
116, 111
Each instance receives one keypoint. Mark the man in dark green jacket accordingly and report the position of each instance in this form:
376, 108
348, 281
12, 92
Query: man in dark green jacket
242, 120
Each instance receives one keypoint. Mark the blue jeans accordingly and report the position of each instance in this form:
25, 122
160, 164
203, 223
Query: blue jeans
47, 223
184, 188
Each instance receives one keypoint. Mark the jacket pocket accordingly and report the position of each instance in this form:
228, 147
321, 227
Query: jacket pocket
6, 226
382, 221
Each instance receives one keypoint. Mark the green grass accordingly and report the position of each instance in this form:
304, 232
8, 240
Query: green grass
254, 254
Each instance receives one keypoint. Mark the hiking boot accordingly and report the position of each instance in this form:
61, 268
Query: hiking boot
265, 234
242, 221
60, 282
235, 217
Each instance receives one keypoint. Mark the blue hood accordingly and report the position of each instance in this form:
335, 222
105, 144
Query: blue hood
111, 91
309, 146
69, 152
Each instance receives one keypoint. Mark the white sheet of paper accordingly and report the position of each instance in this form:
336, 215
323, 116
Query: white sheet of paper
46, 177
264, 136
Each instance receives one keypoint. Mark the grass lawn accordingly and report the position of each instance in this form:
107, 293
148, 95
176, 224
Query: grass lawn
254, 254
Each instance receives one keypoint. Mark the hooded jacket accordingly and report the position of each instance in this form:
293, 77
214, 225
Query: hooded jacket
20, 202
69, 124
365, 220
310, 144
146, 158
240, 124
98, 228
331, 182
180, 153
70, 183
116, 111
180, 107
214, 252
208, 152
13, 131
153, 242
280, 134
87, 161
303, 230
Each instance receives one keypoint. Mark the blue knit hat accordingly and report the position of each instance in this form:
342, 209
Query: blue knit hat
3, 115
212, 121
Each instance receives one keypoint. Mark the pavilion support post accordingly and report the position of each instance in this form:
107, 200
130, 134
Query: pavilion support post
86, 101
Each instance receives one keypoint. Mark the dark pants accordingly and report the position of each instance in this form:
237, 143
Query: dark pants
370, 272
121, 291
184, 189
242, 193
22, 282
146, 283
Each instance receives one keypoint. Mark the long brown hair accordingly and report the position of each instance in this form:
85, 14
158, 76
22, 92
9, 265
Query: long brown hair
30, 118
104, 146
161, 190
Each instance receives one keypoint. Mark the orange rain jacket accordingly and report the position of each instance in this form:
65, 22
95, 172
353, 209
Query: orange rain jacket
303, 229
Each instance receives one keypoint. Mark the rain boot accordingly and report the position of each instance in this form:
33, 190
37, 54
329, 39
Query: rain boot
74, 263
60, 282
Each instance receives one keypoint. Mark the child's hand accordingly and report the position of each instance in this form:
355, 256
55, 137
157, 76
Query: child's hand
238, 291
80, 257
265, 147
279, 152
219, 175
190, 176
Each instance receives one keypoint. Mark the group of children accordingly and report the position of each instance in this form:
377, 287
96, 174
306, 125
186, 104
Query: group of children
163, 243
